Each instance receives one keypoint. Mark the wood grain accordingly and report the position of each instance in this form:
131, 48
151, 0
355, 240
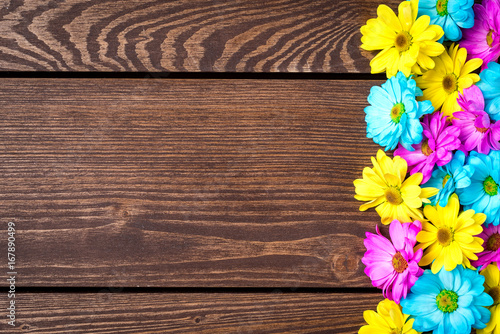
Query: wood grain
191, 313
185, 35
222, 183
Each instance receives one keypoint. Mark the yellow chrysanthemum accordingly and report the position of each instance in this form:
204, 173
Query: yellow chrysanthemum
448, 237
387, 320
407, 43
492, 287
385, 187
451, 76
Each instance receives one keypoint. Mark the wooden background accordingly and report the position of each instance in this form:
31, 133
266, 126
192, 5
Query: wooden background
171, 168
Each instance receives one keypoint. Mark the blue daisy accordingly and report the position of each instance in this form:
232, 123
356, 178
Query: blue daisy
450, 302
393, 114
454, 175
451, 15
482, 195
490, 86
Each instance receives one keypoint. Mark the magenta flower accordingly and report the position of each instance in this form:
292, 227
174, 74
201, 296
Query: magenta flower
440, 139
393, 267
483, 39
491, 253
477, 130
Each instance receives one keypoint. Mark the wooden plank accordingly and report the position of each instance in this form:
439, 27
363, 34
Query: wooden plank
228, 183
191, 313
185, 35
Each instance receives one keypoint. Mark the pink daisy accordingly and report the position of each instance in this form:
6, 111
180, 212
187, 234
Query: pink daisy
393, 267
491, 253
440, 139
477, 130
483, 39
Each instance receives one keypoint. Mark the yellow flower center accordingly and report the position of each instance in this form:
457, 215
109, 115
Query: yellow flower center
393, 195
399, 263
402, 41
450, 83
490, 186
397, 111
442, 7
426, 150
495, 294
447, 301
445, 236
489, 38
493, 242
445, 179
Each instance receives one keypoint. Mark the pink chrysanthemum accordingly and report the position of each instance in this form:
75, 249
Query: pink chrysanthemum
440, 139
477, 130
393, 267
491, 253
483, 39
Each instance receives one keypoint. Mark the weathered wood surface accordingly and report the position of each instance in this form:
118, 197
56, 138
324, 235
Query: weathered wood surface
222, 183
185, 35
191, 312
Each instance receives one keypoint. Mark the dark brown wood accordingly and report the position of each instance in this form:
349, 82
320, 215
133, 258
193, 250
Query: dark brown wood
225, 183
191, 313
185, 35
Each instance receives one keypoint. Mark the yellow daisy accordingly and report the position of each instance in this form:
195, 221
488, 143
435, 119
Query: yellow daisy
407, 43
451, 76
385, 188
387, 320
448, 237
492, 287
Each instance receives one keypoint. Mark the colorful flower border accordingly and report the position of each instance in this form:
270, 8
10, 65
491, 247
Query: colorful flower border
439, 110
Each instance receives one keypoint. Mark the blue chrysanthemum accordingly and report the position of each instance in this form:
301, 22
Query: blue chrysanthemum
451, 15
449, 302
490, 86
483, 195
393, 114
454, 175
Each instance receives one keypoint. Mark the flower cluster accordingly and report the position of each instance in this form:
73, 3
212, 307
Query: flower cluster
438, 263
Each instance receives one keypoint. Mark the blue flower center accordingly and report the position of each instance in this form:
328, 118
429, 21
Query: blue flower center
399, 263
445, 179
397, 111
490, 186
447, 301
442, 7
